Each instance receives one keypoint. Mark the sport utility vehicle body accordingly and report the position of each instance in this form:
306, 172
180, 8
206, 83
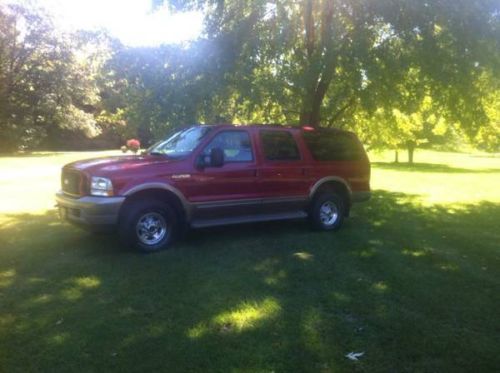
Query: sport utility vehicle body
218, 175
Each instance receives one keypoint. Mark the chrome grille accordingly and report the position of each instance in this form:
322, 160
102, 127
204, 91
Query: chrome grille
71, 182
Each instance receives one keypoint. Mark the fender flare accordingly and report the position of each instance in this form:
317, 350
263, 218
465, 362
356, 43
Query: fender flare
167, 187
327, 179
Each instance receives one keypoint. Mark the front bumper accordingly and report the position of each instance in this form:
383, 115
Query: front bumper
88, 210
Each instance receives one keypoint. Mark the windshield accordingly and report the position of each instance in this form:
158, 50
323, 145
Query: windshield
181, 144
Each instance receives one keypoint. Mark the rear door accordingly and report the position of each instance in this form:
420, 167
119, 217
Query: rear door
282, 173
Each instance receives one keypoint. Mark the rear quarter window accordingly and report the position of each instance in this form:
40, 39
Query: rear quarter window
333, 146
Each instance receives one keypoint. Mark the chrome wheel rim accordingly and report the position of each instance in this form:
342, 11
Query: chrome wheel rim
151, 228
328, 213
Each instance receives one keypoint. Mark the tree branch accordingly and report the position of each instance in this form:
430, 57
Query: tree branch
309, 27
350, 103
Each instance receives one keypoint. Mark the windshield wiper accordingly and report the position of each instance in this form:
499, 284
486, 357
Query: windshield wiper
157, 153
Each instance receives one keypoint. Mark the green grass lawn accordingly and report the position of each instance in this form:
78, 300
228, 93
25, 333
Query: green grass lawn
412, 280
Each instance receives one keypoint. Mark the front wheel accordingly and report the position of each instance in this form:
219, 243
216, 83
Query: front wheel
327, 212
148, 225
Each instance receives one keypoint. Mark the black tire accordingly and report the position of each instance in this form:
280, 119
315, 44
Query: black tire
319, 219
154, 214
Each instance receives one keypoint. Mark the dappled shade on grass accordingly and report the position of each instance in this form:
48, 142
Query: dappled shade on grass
413, 286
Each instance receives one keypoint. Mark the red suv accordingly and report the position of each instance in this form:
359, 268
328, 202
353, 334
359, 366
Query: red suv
217, 175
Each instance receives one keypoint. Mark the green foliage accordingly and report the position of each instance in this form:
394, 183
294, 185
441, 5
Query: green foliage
48, 81
367, 65
488, 135
423, 124
318, 61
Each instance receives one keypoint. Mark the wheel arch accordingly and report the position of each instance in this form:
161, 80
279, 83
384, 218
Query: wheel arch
336, 185
161, 192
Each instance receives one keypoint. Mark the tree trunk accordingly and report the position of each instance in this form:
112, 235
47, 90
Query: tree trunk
310, 114
411, 151
315, 46
396, 156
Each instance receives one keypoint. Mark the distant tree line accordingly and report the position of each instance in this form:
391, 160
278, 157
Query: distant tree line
402, 74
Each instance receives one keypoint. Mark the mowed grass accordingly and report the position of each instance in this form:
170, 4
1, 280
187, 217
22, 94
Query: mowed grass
412, 280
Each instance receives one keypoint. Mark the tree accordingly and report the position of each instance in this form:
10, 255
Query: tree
45, 86
315, 62
155, 89
488, 136
414, 120
402, 73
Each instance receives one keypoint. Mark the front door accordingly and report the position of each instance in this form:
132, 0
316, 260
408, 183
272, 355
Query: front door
230, 190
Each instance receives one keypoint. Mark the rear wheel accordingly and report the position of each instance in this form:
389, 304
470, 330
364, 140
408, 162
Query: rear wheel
327, 212
148, 225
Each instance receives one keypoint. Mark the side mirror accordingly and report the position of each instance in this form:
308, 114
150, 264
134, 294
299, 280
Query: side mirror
216, 157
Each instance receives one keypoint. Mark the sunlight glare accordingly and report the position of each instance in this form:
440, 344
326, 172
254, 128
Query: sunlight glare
134, 22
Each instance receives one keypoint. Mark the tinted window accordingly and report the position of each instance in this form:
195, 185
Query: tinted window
279, 146
333, 146
236, 146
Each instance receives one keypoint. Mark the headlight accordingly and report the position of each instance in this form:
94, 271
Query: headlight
100, 186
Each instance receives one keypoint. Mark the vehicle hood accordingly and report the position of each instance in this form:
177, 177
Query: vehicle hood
109, 165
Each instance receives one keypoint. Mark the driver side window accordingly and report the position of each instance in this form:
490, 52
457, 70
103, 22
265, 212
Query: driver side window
236, 146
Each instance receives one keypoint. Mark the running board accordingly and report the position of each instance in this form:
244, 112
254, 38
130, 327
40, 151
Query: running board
248, 219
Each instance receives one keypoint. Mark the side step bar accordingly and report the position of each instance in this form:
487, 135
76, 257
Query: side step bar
248, 219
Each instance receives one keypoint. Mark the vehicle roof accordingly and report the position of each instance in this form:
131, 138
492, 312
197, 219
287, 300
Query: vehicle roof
278, 126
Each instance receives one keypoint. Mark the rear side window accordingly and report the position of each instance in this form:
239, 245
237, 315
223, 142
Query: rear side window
279, 146
333, 146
